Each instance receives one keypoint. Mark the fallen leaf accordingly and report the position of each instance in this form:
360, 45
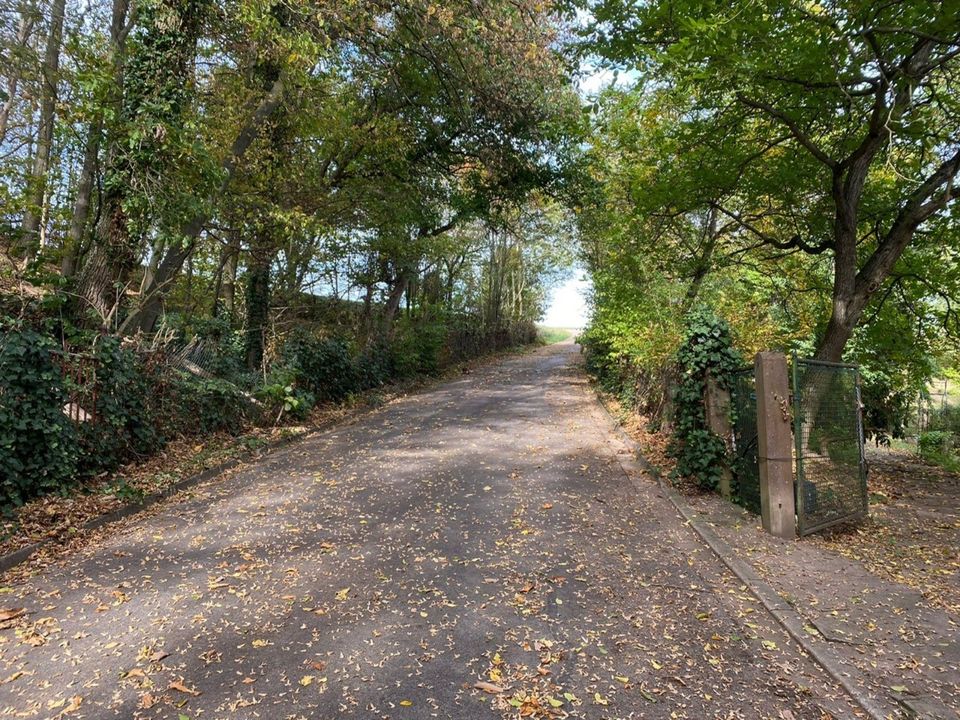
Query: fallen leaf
74, 705
180, 687
488, 687
11, 613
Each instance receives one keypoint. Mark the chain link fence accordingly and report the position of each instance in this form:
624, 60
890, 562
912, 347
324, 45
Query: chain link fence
745, 465
831, 473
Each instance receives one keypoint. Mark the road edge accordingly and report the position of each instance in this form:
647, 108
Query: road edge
780, 609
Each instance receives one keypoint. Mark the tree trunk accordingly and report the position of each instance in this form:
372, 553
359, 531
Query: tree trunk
144, 317
170, 31
393, 304
73, 247
225, 278
24, 29
258, 308
37, 193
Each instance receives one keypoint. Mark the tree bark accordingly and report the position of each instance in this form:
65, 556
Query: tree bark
73, 247
37, 194
13, 80
394, 299
258, 308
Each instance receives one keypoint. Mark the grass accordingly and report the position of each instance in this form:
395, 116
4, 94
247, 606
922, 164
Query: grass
551, 335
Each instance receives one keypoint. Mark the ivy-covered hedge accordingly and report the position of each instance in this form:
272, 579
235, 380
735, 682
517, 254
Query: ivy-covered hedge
707, 349
138, 408
38, 444
139, 402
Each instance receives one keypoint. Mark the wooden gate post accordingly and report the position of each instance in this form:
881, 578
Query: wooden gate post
775, 445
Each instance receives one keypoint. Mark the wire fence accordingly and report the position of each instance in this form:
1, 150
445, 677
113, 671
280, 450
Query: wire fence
831, 473
746, 468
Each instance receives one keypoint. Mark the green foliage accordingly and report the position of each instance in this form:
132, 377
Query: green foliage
38, 452
707, 350
323, 366
197, 406
937, 446
120, 392
550, 335
281, 398
418, 349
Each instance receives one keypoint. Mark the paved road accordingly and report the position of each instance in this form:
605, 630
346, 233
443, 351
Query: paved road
481, 530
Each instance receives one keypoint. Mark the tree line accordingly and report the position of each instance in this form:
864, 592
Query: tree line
792, 164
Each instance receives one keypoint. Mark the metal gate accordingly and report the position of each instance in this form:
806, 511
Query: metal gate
746, 467
831, 473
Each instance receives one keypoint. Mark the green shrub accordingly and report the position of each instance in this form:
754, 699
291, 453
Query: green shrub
934, 443
204, 405
707, 349
38, 451
320, 365
283, 398
125, 426
374, 368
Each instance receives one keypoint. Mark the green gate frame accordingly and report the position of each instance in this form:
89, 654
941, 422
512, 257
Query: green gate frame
853, 504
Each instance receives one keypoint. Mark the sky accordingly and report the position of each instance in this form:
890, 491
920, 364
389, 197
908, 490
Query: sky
568, 304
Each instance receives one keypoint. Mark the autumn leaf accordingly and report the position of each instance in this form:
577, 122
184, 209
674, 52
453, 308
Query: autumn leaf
11, 614
180, 687
488, 687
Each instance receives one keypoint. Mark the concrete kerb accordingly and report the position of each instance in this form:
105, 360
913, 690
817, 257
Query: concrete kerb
785, 614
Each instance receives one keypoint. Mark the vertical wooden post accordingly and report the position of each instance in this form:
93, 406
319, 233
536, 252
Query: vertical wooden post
717, 402
775, 445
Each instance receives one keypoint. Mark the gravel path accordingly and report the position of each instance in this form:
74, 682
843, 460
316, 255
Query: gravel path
481, 531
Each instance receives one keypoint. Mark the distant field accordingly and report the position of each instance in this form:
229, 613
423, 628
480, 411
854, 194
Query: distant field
551, 335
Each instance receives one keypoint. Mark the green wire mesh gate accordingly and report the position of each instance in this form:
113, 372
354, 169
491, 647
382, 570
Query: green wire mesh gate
746, 467
830, 478
831, 473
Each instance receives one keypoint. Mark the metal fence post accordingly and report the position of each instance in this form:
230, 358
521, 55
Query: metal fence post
775, 445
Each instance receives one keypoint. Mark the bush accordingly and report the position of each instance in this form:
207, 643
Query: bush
202, 405
125, 424
374, 368
38, 451
322, 366
933, 444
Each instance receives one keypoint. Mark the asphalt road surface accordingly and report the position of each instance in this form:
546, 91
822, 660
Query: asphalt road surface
471, 551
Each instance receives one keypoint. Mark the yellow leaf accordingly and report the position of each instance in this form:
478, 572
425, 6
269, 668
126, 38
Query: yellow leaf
406, 703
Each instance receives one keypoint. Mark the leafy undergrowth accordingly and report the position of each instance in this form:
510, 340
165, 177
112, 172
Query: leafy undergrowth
61, 518
913, 534
653, 444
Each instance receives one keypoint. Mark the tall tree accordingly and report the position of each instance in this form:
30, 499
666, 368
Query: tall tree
836, 123
50, 77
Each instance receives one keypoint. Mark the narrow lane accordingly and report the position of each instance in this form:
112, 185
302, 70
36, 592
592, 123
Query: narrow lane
480, 531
